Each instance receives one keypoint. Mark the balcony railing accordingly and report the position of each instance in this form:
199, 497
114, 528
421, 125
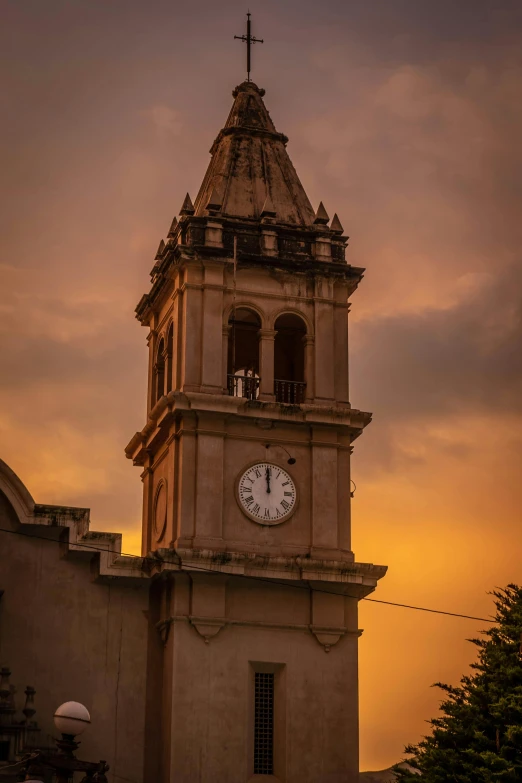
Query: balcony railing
292, 392
246, 386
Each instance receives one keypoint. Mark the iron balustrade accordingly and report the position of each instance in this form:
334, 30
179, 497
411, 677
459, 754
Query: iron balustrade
292, 392
246, 386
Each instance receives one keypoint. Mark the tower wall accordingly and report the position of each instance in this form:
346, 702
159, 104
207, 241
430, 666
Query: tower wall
253, 644
208, 727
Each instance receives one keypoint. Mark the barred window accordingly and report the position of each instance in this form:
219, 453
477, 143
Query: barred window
264, 724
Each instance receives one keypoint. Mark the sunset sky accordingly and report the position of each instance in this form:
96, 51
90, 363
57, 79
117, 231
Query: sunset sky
405, 118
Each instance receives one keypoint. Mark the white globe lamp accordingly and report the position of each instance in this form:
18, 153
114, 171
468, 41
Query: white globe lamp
72, 718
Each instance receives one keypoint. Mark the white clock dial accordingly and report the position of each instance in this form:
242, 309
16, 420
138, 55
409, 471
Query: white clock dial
267, 493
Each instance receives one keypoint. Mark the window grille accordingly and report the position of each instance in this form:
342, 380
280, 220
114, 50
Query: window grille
4, 750
264, 724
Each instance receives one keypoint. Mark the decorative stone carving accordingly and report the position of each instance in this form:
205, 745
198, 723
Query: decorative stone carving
208, 627
327, 637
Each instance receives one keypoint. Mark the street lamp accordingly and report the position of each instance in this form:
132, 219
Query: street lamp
71, 719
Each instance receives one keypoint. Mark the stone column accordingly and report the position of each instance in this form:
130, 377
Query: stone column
185, 481
224, 374
344, 488
212, 314
268, 242
309, 347
151, 343
324, 493
324, 351
266, 364
213, 233
209, 465
146, 527
192, 331
323, 248
341, 308
177, 319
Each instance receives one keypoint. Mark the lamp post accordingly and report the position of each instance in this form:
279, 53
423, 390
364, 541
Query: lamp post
71, 719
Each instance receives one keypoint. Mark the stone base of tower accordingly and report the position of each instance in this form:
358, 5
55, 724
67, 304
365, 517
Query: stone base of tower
211, 636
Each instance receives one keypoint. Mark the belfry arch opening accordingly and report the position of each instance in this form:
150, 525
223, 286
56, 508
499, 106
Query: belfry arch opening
289, 359
243, 353
159, 373
168, 363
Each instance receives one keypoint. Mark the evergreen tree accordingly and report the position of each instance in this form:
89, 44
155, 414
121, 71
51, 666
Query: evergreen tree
478, 736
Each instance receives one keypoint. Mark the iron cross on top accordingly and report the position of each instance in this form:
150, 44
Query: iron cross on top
249, 40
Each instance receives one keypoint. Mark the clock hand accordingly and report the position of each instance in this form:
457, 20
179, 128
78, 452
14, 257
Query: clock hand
267, 474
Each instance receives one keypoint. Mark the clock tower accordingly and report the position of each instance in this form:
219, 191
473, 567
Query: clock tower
245, 459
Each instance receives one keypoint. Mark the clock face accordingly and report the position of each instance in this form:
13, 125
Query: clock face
267, 493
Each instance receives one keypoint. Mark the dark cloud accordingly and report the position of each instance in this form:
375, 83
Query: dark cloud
32, 361
464, 359
418, 31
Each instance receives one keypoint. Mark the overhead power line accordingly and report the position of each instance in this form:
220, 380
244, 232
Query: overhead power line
256, 578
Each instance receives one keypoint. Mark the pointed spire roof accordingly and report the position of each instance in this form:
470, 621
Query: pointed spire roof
216, 200
251, 167
336, 225
187, 208
161, 248
321, 216
172, 229
249, 110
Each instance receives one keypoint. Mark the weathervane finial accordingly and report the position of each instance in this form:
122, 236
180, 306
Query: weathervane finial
249, 40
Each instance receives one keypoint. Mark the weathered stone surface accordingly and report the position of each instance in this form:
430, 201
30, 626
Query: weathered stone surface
335, 225
250, 163
172, 229
321, 216
187, 208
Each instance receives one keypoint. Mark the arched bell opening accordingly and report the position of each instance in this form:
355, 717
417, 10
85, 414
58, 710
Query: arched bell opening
159, 373
289, 359
243, 353
168, 362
